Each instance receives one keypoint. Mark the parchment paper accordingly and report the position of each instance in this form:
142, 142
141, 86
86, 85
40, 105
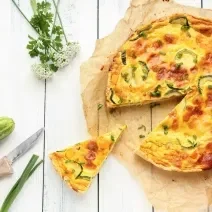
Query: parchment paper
169, 191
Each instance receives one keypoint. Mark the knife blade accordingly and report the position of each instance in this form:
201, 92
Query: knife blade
24, 146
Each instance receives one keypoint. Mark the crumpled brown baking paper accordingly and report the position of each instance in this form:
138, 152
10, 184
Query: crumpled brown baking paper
169, 191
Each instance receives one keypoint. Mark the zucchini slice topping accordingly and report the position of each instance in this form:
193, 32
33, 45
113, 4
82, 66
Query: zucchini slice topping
180, 54
145, 69
123, 57
79, 176
207, 77
114, 98
156, 92
181, 20
189, 143
142, 33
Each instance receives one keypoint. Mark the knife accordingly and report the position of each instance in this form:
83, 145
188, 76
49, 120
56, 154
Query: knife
7, 161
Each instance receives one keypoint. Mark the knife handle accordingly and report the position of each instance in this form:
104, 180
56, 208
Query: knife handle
5, 167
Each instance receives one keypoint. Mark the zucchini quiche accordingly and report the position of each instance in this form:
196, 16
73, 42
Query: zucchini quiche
160, 60
183, 140
79, 164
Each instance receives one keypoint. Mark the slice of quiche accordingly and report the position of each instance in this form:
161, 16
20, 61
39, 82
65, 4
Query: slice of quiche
183, 140
79, 164
160, 60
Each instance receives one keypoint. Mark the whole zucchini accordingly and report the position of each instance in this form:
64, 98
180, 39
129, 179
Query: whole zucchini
7, 125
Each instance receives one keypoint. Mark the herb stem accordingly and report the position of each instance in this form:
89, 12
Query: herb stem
56, 7
29, 21
23, 15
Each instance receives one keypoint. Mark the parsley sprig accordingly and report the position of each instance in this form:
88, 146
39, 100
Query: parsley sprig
49, 45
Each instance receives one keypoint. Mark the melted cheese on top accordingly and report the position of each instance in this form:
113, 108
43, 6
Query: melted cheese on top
161, 63
183, 140
79, 164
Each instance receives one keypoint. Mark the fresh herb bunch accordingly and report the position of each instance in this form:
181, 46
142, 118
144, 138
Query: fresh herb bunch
49, 46
17, 187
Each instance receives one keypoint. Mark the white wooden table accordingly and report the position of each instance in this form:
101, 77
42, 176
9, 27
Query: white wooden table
56, 105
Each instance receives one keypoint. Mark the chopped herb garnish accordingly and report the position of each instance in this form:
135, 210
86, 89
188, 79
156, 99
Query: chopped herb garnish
166, 129
60, 151
200, 80
142, 33
144, 69
100, 106
133, 71
170, 85
141, 136
112, 138
123, 57
178, 65
156, 92
142, 127
209, 86
125, 77
188, 143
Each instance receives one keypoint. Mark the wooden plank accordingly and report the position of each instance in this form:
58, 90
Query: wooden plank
22, 98
207, 4
157, 113
118, 190
65, 124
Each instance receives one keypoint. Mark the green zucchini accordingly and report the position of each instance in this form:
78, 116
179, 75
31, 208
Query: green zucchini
142, 33
145, 69
156, 92
123, 57
134, 68
182, 21
79, 176
114, 98
170, 85
165, 129
188, 143
180, 54
7, 126
200, 80
172, 91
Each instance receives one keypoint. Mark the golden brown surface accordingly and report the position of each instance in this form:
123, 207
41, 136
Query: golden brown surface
183, 140
79, 164
160, 60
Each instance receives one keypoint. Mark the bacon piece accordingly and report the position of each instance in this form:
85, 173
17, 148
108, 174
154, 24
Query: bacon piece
192, 111
157, 44
206, 160
90, 156
209, 100
92, 145
169, 38
178, 74
153, 60
209, 147
175, 124
208, 59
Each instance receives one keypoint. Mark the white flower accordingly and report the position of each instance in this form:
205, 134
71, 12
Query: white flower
42, 71
67, 54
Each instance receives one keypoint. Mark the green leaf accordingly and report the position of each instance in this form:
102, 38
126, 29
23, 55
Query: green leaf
53, 67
